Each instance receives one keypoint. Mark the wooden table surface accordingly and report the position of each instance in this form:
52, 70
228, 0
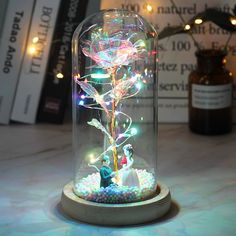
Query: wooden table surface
36, 162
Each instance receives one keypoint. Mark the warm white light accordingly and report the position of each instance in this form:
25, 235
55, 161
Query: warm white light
149, 8
77, 77
198, 21
233, 21
187, 27
32, 49
35, 39
91, 155
92, 158
60, 75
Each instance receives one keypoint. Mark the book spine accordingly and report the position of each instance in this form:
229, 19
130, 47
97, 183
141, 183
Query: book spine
13, 42
35, 61
58, 77
3, 10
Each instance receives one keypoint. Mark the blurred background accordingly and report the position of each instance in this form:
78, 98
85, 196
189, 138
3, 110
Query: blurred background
35, 79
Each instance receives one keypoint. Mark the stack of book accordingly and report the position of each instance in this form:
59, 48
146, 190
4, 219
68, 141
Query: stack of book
35, 62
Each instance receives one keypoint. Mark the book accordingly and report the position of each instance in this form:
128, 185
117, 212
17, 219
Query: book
177, 53
58, 76
3, 10
13, 42
35, 61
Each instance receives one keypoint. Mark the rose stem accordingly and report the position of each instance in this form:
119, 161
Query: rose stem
112, 125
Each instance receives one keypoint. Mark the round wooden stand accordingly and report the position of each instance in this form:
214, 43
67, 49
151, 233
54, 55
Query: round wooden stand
116, 214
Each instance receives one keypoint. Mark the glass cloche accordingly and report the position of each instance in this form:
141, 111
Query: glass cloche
115, 108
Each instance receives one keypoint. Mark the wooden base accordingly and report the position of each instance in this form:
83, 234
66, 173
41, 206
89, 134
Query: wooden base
116, 214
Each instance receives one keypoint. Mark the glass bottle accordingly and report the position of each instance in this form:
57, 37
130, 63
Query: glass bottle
115, 108
210, 94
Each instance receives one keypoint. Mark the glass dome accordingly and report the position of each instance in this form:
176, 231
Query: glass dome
115, 108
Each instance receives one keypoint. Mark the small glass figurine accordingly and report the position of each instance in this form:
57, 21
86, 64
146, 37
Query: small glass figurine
129, 176
106, 173
115, 108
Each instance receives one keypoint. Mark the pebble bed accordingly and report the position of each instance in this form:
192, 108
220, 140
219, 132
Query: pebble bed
89, 189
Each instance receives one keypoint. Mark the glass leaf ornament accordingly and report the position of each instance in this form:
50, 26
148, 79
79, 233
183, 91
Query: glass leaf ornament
93, 93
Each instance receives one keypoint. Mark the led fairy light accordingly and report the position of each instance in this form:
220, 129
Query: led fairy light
99, 76
35, 39
32, 50
60, 76
233, 20
187, 27
32, 47
149, 8
198, 21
